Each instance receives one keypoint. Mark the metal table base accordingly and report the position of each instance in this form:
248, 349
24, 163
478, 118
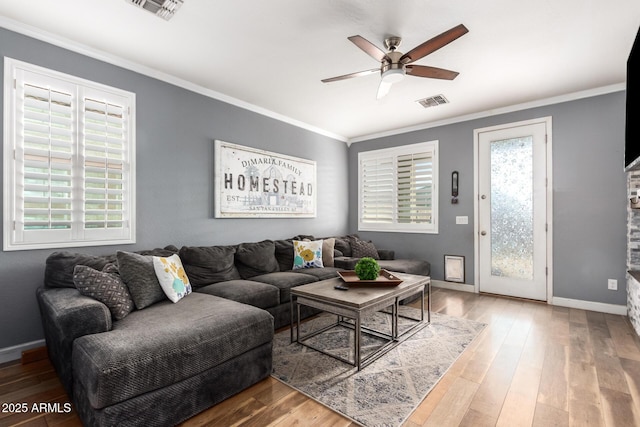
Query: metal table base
342, 313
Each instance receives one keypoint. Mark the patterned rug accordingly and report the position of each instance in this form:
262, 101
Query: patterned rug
388, 390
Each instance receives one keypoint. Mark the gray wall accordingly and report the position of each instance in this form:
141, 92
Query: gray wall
175, 149
589, 196
175, 133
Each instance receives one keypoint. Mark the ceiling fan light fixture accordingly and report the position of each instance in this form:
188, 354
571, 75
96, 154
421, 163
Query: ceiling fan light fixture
393, 75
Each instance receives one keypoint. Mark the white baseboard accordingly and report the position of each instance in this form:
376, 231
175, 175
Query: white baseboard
590, 305
453, 286
9, 354
561, 302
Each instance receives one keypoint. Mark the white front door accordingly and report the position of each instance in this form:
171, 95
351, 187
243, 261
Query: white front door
512, 224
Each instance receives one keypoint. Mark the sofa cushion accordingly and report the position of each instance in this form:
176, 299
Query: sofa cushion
166, 251
257, 294
303, 237
284, 281
58, 271
284, 254
361, 249
320, 273
172, 277
145, 351
343, 245
307, 254
138, 274
105, 287
253, 259
209, 264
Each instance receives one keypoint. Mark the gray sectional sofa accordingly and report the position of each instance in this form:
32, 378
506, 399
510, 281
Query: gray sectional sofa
148, 361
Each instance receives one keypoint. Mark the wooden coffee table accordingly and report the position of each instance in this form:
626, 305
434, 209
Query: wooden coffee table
357, 302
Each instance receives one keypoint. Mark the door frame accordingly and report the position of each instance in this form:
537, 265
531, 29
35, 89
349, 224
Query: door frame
548, 191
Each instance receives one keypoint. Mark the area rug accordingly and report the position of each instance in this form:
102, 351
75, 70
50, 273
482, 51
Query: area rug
385, 392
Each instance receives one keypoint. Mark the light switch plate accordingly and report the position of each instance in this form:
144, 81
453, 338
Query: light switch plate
462, 220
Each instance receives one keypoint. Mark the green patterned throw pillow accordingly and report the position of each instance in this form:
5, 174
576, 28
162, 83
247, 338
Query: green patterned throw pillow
307, 254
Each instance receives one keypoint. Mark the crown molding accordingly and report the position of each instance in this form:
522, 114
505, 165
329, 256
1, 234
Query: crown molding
82, 49
85, 50
494, 112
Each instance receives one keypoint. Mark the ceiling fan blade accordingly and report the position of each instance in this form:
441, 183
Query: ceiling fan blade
434, 44
431, 72
352, 75
383, 89
369, 48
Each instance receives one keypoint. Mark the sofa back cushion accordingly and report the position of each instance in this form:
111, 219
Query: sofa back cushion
205, 265
58, 271
343, 245
254, 259
284, 254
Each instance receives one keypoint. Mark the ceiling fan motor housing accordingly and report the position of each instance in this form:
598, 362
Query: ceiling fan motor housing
394, 71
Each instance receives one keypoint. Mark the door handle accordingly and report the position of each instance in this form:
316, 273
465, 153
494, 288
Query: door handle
483, 233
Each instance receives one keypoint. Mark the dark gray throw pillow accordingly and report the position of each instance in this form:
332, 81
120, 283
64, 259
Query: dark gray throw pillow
106, 287
360, 248
138, 274
205, 265
253, 259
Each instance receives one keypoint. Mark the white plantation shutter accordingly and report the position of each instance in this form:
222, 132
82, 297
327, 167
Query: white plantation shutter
415, 187
46, 157
398, 189
377, 190
104, 154
68, 161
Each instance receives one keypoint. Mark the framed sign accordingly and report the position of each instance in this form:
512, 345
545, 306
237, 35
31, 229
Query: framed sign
454, 268
252, 183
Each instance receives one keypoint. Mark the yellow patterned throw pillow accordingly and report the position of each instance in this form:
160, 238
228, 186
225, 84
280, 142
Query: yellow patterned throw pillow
172, 277
307, 254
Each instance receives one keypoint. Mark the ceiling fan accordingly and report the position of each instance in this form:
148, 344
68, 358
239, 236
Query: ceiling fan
395, 65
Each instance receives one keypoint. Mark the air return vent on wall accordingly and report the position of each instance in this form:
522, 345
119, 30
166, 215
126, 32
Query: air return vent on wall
433, 101
165, 9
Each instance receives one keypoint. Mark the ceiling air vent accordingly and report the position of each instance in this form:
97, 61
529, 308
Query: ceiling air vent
433, 101
165, 9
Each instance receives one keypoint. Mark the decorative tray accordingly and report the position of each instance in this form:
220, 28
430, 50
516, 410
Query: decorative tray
384, 279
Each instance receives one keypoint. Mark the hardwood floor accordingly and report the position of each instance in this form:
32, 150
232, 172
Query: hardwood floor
534, 365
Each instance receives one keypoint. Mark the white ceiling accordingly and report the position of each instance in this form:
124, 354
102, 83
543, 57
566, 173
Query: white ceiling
269, 56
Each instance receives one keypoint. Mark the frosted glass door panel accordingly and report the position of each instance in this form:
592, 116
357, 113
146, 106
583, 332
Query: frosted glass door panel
512, 244
512, 208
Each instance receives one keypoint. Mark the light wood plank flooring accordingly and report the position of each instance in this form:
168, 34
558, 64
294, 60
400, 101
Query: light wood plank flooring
534, 365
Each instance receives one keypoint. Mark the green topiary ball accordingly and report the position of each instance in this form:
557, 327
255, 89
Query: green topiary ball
367, 269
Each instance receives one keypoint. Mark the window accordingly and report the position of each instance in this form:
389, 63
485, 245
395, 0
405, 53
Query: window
398, 189
69, 151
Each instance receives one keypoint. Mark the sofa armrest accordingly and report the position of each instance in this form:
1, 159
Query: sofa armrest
67, 315
386, 254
